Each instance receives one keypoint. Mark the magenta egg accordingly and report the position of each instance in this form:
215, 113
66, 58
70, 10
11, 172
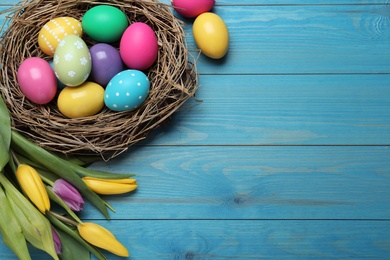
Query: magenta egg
106, 63
192, 9
37, 80
138, 46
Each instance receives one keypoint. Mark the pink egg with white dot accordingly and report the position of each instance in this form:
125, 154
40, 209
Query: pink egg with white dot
127, 90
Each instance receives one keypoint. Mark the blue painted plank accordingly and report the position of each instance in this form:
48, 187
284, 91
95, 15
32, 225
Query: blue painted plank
266, 2
225, 195
248, 239
253, 182
302, 39
290, 109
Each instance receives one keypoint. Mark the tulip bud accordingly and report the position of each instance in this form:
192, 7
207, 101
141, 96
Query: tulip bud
101, 237
110, 186
57, 241
69, 194
32, 185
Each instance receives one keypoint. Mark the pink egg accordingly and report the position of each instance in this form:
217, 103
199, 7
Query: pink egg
191, 9
37, 80
138, 46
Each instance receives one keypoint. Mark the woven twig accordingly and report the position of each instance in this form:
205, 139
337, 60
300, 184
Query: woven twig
173, 79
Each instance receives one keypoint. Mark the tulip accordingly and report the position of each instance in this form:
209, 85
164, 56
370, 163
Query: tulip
110, 186
57, 241
69, 194
32, 185
101, 237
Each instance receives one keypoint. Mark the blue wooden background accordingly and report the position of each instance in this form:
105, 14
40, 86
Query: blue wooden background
287, 155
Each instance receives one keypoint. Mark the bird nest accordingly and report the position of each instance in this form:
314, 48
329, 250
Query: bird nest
173, 79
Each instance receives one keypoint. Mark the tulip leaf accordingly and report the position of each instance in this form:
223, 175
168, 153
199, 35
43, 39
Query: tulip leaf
82, 160
11, 230
71, 249
36, 228
59, 166
99, 174
4, 158
5, 134
75, 235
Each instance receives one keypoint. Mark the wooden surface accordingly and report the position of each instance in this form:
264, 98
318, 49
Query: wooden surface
287, 155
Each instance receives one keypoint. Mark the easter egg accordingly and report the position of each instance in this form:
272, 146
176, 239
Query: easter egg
60, 85
104, 23
106, 63
192, 9
72, 61
84, 100
211, 35
55, 30
138, 46
36, 80
127, 90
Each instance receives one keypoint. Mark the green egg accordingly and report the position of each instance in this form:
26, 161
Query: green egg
104, 23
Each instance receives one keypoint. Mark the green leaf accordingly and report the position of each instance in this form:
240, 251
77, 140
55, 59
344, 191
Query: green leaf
82, 160
57, 165
71, 249
36, 228
5, 134
10, 229
99, 174
4, 153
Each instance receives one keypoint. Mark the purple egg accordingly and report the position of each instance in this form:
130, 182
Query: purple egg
106, 63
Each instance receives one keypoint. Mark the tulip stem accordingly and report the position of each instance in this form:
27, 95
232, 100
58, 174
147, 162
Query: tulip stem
46, 180
63, 219
15, 158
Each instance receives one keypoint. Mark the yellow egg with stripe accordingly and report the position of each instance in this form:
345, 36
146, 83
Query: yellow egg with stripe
55, 30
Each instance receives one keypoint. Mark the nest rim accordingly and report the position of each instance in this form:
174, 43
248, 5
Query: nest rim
173, 79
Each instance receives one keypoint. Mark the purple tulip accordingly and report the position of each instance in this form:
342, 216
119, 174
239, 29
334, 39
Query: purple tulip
69, 194
57, 241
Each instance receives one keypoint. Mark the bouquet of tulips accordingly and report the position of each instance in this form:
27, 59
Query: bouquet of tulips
31, 178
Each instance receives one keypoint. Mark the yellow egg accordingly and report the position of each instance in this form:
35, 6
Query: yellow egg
55, 30
211, 35
81, 101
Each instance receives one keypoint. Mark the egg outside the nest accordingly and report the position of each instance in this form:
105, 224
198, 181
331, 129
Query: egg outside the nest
127, 90
191, 9
211, 35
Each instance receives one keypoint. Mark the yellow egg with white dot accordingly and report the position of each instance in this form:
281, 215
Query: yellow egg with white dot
55, 30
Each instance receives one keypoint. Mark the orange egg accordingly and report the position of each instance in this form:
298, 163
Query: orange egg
55, 30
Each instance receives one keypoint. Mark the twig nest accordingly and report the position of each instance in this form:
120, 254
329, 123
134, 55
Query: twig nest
173, 79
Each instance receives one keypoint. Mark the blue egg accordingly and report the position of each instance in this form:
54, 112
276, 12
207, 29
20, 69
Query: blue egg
60, 85
127, 90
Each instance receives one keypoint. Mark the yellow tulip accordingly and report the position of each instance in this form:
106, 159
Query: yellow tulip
110, 186
101, 237
32, 185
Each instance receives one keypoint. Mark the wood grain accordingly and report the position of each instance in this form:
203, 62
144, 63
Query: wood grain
303, 39
285, 152
254, 182
247, 239
288, 109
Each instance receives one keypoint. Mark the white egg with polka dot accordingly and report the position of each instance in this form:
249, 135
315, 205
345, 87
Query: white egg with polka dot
127, 90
